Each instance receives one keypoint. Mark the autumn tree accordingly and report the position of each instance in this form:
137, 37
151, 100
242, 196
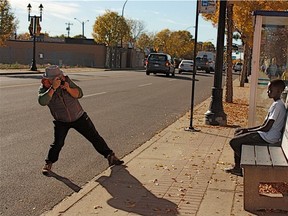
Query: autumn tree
24, 36
161, 41
208, 46
7, 21
181, 44
145, 41
110, 29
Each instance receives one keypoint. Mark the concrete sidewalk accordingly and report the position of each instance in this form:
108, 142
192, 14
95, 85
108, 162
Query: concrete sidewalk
175, 173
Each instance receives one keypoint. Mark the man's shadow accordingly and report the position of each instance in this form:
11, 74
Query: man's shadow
128, 194
65, 180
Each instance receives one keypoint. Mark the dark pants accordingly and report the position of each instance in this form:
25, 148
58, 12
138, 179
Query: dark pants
252, 138
84, 126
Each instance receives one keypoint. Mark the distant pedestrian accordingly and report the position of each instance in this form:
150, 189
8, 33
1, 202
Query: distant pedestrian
273, 71
61, 95
269, 133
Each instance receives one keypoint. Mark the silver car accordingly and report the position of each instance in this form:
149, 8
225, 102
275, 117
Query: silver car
185, 66
160, 63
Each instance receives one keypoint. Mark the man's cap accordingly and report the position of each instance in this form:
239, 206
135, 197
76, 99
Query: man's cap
52, 71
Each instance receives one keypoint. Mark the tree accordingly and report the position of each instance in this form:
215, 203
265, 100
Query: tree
7, 21
145, 41
24, 36
136, 27
110, 29
181, 44
161, 41
208, 46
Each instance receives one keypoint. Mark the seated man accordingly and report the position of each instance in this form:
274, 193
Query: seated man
269, 133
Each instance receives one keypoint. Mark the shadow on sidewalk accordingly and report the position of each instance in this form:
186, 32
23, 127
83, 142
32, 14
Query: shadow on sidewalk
66, 181
128, 194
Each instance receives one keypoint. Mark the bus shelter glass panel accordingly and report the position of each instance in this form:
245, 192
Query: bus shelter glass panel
273, 60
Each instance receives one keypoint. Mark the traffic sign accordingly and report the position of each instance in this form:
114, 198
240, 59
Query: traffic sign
207, 6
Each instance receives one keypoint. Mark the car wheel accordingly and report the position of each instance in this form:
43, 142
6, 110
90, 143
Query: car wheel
173, 74
147, 73
207, 71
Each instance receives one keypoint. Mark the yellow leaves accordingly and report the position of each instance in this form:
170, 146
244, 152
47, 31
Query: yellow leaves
237, 112
242, 15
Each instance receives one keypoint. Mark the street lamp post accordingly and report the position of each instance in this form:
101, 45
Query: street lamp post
34, 28
191, 128
121, 40
215, 115
83, 25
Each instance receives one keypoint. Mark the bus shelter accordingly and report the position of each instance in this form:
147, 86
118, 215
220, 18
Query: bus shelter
269, 60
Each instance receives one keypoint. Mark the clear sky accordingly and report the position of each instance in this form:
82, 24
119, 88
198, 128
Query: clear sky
156, 15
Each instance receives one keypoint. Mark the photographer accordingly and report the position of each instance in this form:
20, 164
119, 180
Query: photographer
61, 95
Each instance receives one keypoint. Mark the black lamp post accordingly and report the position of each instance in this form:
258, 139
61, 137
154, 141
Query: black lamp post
83, 25
34, 28
215, 115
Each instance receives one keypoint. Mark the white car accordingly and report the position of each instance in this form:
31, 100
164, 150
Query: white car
185, 66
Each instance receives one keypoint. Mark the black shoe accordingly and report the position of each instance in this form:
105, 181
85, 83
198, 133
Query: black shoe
46, 169
113, 160
234, 171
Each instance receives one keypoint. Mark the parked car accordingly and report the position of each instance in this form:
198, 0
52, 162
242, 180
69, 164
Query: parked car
160, 63
238, 66
185, 66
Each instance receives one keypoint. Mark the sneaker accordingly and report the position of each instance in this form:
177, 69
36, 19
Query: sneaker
234, 171
113, 160
47, 168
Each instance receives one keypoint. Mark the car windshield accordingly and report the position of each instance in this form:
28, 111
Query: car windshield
158, 58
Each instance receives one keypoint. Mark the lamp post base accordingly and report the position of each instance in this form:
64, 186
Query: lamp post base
191, 129
215, 115
215, 118
33, 66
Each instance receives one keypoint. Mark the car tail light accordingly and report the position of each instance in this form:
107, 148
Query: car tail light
167, 63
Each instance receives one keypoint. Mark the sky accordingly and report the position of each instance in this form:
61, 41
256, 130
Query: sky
156, 16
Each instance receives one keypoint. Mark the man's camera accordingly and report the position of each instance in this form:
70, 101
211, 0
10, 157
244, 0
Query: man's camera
62, 82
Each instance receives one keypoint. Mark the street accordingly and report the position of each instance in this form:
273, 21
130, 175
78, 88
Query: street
127, 108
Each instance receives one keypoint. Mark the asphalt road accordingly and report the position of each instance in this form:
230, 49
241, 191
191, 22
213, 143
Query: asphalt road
127, 108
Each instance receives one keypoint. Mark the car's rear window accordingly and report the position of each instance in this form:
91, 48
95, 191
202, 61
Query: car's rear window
158, 58
187, 61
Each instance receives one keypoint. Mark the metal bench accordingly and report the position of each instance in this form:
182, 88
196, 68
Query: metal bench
265, 164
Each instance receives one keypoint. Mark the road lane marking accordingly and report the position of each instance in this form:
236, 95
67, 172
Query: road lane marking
20, 85
147, 84
91, 95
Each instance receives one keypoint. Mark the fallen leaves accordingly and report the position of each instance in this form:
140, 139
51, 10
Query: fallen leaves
272, 189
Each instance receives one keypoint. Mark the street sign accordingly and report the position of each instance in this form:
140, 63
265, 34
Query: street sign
207, 6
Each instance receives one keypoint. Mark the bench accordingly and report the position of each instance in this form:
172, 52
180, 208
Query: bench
265, 164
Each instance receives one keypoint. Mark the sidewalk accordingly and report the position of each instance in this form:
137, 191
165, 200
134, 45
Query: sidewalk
175, 173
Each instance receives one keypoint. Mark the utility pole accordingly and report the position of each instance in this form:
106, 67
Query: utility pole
68, 28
